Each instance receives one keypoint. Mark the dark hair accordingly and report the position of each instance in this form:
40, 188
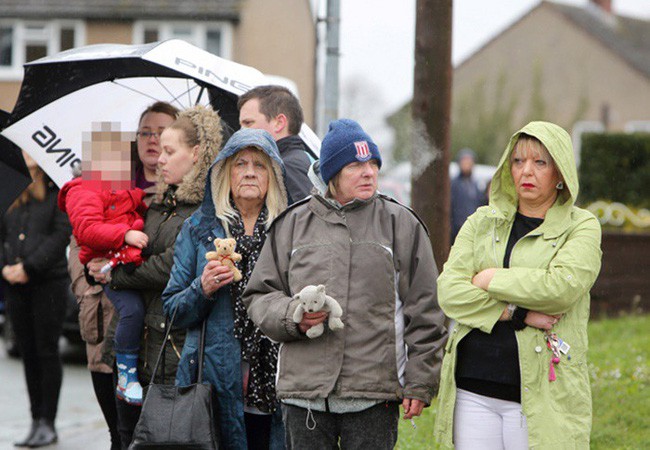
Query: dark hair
160, 107
275, 100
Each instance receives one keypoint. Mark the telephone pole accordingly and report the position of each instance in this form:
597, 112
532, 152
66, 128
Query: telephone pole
431, 111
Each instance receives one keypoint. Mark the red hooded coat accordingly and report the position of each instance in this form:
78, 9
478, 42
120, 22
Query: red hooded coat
100, 217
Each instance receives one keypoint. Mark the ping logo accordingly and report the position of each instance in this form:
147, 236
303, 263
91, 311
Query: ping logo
48, 140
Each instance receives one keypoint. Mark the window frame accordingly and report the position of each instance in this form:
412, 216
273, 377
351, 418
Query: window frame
199, 32
51, 39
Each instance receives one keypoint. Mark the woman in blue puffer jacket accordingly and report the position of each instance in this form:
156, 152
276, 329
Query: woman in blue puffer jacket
245, 191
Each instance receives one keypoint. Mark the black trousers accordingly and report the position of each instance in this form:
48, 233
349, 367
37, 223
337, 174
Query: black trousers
37, 311
104, 387
127, 417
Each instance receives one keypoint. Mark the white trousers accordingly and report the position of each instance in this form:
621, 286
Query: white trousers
486, 423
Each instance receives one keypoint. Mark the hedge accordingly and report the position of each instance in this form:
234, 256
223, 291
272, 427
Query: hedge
615, 167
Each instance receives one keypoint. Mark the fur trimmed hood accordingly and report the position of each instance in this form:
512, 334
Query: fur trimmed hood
208, 125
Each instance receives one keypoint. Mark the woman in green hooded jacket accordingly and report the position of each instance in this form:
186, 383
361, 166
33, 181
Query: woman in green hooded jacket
517, 287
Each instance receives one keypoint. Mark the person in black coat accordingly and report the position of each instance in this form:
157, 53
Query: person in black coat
275, 109
466, 196
34, 235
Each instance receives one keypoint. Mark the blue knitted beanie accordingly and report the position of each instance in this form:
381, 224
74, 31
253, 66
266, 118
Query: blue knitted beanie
345, 143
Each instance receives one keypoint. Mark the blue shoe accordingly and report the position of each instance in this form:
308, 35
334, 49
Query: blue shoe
128, 387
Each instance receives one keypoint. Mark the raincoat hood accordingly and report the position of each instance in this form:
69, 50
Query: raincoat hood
240, 140
503, 196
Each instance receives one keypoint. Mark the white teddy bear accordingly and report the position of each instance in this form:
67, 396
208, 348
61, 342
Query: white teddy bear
313, 299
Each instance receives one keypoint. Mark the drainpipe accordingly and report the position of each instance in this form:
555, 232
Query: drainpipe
332, 55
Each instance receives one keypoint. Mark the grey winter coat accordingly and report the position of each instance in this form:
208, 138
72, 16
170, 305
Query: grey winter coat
375, 259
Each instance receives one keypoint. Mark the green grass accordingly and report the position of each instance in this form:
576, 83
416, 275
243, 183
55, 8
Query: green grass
620, 383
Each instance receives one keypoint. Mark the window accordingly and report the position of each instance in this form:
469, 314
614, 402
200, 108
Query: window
6, 38
215, 37
25, 41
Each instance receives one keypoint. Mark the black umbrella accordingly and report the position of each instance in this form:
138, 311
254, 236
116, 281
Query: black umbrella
14, 174
63, 95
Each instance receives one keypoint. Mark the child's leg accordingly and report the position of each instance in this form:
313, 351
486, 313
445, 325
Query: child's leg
130, 309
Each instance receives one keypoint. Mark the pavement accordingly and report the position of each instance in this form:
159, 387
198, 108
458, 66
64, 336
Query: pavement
80, 424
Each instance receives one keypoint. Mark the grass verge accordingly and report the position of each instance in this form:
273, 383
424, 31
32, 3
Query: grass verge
620, 383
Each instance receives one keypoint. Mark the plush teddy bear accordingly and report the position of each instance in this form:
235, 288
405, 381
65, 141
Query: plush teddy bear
313, 299
226, 255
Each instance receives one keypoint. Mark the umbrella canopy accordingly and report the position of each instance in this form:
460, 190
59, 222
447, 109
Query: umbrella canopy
64, 94
13, 171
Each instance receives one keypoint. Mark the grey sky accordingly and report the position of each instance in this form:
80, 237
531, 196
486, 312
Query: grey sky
377, 41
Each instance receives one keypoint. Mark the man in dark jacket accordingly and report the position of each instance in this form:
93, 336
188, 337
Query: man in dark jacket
466, 196
275, 109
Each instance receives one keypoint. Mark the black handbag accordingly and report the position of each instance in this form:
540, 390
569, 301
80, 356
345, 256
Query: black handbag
178, 417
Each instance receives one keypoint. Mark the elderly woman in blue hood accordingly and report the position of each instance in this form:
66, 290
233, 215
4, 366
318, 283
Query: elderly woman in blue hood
245, 191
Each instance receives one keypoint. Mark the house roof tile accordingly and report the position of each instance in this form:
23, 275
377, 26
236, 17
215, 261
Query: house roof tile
121, 9
626, 36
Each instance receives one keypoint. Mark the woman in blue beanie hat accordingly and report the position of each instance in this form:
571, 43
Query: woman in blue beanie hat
373, 256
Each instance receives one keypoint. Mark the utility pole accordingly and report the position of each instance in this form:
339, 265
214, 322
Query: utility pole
431, 111
331, 93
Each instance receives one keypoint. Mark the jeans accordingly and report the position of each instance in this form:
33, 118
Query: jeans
482, 422
37, 311
130, 309
373, 428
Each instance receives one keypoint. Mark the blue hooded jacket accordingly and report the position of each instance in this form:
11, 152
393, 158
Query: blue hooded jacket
222, 356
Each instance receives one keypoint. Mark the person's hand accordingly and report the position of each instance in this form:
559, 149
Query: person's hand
21, 276
483, 278
136, 238
412, 407
541, 321
15, 274
8, 273
94, 270
311, 319
215, 275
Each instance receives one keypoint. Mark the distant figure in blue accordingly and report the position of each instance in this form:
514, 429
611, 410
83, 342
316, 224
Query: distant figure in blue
466, 196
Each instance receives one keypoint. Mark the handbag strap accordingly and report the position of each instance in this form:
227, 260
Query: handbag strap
162, 351
201, 351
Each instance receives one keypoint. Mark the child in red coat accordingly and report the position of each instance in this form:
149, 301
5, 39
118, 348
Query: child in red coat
106, 216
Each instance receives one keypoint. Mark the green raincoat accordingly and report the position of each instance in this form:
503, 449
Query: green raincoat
551, 270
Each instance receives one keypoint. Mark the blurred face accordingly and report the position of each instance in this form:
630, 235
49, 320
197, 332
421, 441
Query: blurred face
356, 180
148, 138
534, 174
466, 164
249, 176
106, 157
177, 158
251, 117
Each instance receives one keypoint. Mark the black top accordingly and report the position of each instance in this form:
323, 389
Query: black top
488, 364
37, 234
293, 152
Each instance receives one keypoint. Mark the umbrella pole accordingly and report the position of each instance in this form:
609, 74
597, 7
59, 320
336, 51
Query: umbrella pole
198, 98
